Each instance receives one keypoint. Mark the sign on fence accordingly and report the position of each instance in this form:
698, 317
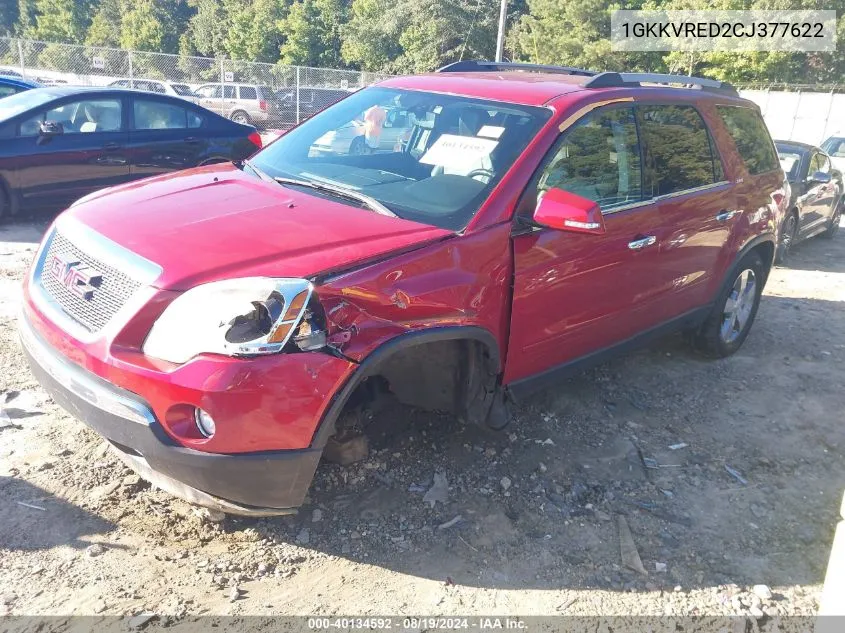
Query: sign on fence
98, 62
229, 76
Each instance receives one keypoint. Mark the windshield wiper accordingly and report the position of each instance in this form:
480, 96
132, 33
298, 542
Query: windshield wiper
341, 192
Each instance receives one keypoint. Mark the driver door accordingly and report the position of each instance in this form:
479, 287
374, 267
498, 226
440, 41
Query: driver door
574, 293
89, 153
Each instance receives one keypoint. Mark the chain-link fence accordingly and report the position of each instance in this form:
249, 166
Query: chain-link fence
289, 93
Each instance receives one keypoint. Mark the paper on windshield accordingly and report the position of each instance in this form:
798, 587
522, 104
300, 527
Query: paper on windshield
459, 153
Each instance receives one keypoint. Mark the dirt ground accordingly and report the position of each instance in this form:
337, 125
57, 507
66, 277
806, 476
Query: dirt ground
729, 474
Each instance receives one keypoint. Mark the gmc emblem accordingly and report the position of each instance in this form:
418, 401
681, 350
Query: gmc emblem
79, 278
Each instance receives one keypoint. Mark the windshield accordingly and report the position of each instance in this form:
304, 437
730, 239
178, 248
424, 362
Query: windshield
790, 159
21, 102
181, 89
427, 157
835, 147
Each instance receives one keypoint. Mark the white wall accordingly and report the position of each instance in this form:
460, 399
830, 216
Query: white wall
809, 117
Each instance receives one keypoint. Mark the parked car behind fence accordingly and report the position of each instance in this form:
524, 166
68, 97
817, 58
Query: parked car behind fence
244, 103
159, 87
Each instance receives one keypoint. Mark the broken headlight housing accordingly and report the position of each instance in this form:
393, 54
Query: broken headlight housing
238, 317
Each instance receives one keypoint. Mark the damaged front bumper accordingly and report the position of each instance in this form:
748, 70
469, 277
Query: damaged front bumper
259, 483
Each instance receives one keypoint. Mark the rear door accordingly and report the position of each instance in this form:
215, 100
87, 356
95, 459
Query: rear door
574, 293
684, 173
90, 153
164, 136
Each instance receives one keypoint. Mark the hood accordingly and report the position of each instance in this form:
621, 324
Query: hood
217, 222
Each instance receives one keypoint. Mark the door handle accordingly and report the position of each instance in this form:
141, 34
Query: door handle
191, 139
725, 215
642, 242
111, 146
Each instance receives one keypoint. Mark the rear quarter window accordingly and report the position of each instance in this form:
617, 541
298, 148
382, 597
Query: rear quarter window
751, 137
248, 92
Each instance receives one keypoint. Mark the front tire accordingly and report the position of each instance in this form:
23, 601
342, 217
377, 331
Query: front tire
787, 238
833, 227
729, 322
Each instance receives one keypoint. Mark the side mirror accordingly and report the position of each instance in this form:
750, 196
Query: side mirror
819, 177
565, 211
49, 129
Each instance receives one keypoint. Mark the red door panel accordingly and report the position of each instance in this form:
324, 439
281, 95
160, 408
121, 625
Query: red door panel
691, 256
575, 294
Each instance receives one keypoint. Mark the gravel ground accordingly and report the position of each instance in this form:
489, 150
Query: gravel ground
721, 476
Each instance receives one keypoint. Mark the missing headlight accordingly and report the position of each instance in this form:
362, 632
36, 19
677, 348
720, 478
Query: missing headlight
257, 323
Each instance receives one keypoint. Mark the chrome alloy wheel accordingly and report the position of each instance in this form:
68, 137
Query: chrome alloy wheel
738, 306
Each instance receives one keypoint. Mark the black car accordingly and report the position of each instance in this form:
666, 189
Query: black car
816, 201
283, 111
58, 144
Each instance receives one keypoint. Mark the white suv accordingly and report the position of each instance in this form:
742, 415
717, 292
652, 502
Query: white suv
243, 103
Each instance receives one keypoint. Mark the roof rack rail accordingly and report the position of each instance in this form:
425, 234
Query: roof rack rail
614, 79
472, 65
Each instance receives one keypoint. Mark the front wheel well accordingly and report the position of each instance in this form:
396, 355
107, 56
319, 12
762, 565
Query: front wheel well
436, 371
766, 250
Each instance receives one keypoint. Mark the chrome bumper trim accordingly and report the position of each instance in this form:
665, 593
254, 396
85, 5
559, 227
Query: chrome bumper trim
80, 382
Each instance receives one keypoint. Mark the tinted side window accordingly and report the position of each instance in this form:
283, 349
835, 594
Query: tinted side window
248, 92
751, 137
78, 117
155, 115
598, 158
5, 91
228, 92
676, 149
194, 119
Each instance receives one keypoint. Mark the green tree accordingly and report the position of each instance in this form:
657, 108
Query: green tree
105, 25
312, 32
208, 27
253, 32
371, 38
418, 35
153, 25
8, 16
25, 17
60, 21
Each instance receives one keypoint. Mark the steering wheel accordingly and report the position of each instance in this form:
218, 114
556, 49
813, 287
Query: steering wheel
481, 171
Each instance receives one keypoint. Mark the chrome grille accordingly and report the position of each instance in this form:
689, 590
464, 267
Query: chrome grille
113, 292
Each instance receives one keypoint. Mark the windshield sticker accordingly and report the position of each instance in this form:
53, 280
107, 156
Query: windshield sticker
451, 151
490, 131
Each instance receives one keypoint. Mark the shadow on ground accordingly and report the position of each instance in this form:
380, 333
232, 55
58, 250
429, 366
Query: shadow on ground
725, 471
58, 522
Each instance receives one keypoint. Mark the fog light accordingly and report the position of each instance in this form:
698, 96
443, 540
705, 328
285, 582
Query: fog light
205, 423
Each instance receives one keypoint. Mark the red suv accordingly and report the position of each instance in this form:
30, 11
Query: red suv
220, 326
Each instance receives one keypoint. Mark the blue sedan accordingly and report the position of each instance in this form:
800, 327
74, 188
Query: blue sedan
14, 85
58, 144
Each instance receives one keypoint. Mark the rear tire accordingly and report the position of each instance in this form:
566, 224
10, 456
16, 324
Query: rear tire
358, 147
239, 116
729, 322
788, 235
833, 226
